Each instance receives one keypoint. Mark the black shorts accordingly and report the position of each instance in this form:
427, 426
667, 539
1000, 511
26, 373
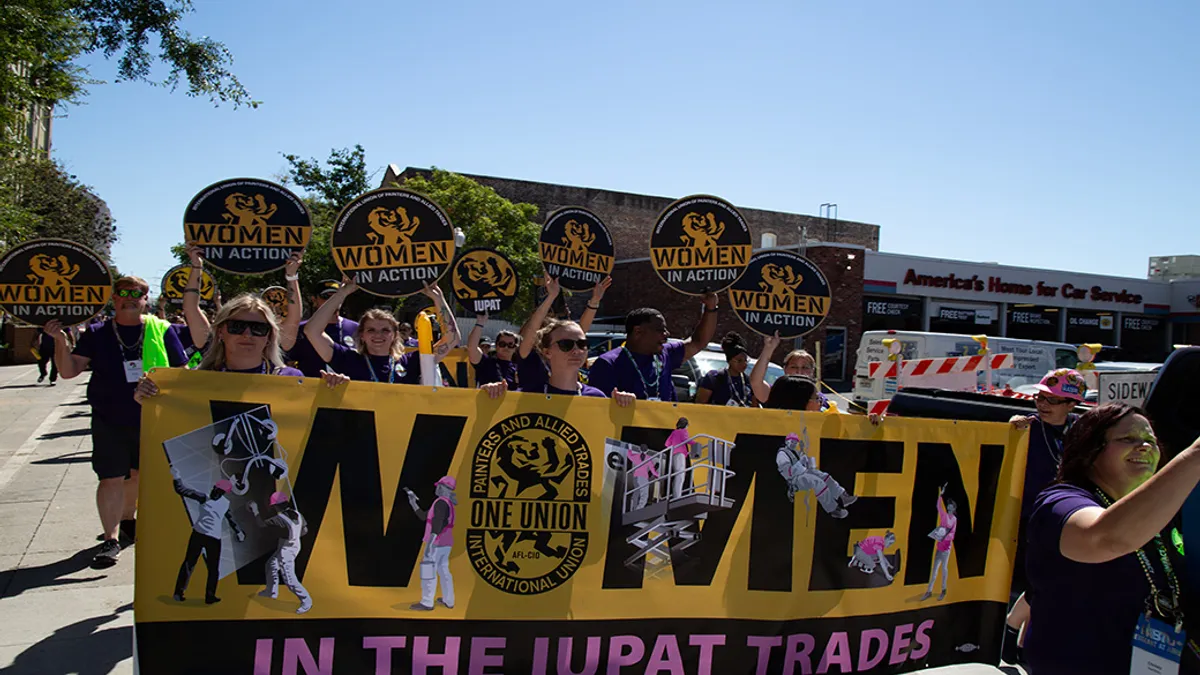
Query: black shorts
114, 448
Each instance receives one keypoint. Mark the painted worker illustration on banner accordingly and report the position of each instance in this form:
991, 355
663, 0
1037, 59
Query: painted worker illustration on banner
644, 475
439, 539
802, 475
683, 450
286, 519
206, 536
870, 555
943, 534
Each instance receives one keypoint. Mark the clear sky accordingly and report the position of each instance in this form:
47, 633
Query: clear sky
1056, 134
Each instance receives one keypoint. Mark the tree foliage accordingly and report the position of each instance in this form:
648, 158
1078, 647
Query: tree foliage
38, 198
42, 40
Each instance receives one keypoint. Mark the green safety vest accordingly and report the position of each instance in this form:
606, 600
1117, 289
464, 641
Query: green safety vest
154, 346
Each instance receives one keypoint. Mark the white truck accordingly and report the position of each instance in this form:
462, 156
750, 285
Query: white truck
1032, 358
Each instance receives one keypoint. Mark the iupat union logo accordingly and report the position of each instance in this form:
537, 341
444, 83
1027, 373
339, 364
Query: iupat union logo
531, 484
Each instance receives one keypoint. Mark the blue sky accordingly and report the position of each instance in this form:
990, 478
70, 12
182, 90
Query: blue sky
1060, 135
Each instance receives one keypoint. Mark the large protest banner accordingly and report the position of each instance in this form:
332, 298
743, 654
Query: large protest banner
788, 543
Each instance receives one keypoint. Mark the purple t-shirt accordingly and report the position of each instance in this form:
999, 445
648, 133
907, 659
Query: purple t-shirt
368, 368
284, 371
532, 373
493, 369
584, 390
623, 370
109, 394
724, 386
1082, 616
1042, 460
342, 332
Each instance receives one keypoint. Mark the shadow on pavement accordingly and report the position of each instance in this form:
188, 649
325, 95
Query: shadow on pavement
76, 403
21, 386
77, 457
65, 434
45, 576
80, 413
77, 648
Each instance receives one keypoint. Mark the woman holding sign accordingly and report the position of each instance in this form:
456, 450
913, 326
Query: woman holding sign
1104, 581
380, 355
563, 345
531, 369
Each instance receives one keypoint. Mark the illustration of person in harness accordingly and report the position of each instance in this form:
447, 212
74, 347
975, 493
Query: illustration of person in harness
801, 473
206, 536
282, 564
439, 537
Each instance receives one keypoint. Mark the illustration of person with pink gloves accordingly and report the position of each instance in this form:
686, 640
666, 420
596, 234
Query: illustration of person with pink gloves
283, 563
944, 535
439, 537
206, 536
642, 472
870, 551
682, 451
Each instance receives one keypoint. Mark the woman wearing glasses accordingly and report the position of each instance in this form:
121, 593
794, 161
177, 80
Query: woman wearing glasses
491, 368
1058, 394
379, 355
797, 362
563, 345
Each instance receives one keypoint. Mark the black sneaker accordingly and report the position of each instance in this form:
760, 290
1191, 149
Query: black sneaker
211, 600
41, 379
128, 530
109, 553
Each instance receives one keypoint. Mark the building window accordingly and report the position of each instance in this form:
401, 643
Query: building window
768, 240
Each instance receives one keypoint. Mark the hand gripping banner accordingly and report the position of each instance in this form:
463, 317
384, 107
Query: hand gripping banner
392, 528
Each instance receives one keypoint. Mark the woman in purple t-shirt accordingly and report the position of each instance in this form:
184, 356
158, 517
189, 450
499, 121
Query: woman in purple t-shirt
563, 345
1097, 562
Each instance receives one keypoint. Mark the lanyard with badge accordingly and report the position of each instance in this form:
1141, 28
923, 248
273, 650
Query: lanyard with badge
133, 367
738, 398
656, 382
1158, 638
392, 367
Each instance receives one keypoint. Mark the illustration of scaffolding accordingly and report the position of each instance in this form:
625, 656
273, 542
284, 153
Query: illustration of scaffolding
669, 492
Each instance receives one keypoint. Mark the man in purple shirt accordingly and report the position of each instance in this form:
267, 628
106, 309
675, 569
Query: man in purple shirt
643, 365
339, 329
116, 350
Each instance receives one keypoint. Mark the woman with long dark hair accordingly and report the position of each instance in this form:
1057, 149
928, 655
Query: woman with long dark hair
1098, 562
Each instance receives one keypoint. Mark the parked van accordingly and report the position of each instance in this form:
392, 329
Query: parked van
1033, 358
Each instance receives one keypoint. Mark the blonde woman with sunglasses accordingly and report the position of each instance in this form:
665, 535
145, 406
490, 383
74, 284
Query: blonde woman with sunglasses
563, 345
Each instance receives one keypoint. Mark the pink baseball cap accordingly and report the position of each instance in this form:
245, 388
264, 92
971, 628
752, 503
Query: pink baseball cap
224, 486
793, 437
1063, 383
277, 498
449, 482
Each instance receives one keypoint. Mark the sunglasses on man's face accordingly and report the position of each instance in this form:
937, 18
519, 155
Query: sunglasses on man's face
134, 293
505, 345
568, 345
238, 326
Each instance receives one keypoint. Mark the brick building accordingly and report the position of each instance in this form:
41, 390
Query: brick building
631, 217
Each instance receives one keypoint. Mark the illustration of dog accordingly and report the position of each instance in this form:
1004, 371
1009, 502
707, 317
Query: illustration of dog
701, 231
392, 227
51, 271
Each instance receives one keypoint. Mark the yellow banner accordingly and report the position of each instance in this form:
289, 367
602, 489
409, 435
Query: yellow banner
761, 542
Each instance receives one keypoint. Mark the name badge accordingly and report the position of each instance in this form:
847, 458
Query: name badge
1157, 648
133, 370
653, 398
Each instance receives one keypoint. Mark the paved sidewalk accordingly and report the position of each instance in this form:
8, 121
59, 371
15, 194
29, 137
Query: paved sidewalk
57, 615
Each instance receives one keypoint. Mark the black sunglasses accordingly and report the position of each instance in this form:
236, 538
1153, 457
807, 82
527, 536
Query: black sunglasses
238, 326
568, 345
505, 345
134, 293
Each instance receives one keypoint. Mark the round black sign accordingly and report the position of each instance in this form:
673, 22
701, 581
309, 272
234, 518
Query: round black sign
175, 281
246, 225
576, 248
701, 244
485, 282
49, 279
393, 242
781, 291
277, 298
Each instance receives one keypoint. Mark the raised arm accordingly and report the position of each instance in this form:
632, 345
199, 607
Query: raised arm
188, 493
450, 336
474, 353
593, 305
291, 323
704, 330
531, 327
758, 375
197, 322
69, 365
314, 330
1096, 535
233, 525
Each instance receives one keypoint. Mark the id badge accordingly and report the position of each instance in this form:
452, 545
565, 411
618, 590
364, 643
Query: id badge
1157, 648
653, 398
133, 370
